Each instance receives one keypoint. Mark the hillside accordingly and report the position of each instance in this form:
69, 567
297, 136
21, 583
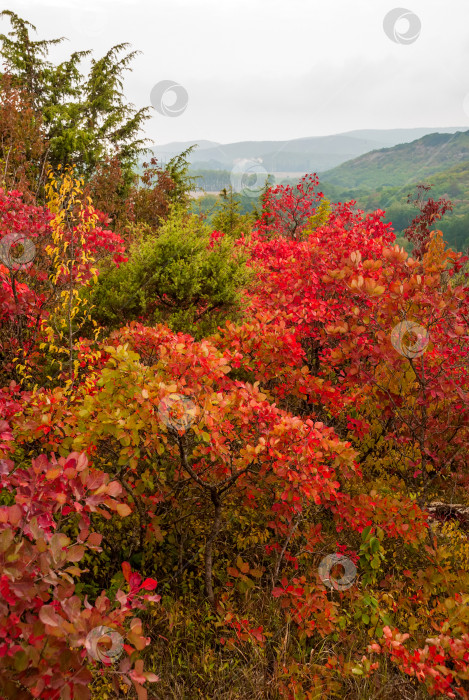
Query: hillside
451, 183
402, 164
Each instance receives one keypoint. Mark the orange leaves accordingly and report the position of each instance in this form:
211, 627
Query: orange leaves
374, 289
122, 509
372, 264
367, 285
243, 569
337, 330
356, 257
394, 254
126, 570
306, 393
53, 473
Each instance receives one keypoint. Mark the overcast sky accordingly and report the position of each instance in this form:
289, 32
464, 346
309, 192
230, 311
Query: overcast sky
276, 69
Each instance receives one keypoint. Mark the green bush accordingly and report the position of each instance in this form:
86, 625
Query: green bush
175, 278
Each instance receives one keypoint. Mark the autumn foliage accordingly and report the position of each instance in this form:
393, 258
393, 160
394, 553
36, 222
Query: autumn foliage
324, 421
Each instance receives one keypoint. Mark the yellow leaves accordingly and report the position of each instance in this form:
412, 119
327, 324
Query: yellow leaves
41, 545
367, 285
376, 290
337, 274
356, 282
372, 264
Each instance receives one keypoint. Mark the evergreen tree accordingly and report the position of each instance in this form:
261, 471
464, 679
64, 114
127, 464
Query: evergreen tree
178, 170
86, 117
184, 277
228, 217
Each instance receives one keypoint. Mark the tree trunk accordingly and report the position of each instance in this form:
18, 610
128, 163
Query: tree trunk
215, 496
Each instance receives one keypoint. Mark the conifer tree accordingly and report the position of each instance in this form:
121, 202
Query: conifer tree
228, 217
86, 117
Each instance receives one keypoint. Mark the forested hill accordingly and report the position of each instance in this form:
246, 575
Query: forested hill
404, 163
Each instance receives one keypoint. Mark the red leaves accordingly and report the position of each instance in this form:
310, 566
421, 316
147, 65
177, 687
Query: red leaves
126, 570
37, 581
388, 513
431, 211
443, 664
324, 398
287, 210
244, 631
214, 237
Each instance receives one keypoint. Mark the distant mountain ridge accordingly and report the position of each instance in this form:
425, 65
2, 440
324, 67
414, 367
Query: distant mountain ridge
307, 154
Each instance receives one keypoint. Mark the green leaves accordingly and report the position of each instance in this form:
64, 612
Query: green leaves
180, 278
371, 555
